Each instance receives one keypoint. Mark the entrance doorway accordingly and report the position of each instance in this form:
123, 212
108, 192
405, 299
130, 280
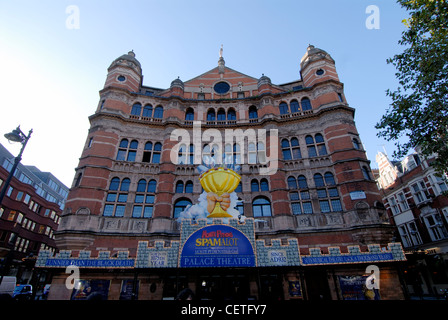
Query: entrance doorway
317, 285
223, 287
271, 287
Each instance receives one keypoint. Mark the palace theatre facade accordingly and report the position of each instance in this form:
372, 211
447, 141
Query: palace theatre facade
306, 217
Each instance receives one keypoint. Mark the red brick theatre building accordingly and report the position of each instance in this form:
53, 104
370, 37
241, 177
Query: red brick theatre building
307, 220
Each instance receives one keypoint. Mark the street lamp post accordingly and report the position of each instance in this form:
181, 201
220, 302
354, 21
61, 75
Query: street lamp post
16, 136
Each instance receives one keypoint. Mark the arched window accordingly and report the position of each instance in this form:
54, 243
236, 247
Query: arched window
264, 185
147, 111
189, 187
141, 186
180, 205
221, 115
125, 184
151, 152
365, 173
144, 199
318, 180
292, 183
239, 188
127, 151
114, 184
306, 104
283, 108
152, 184
236, 153
132, 151
211, 115
116, 197
191, 154
254, 186
189, 115
302, 182
253, 113
286, 151
122, 150
329, 179
356, 144
310, 146
327, 193
158, 112
261, 207
291, 150
157, 152
320, 144
252, 153
179, 187
231, 115
294, 106
136, 109
316, 148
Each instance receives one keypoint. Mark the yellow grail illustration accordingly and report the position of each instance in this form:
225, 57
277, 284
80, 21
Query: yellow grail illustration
219, 180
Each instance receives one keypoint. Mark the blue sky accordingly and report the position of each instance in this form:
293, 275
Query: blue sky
51, 74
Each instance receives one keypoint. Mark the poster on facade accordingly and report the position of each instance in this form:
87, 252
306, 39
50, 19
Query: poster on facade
91, 290
127, 290
217, 246
294, 289
354, 288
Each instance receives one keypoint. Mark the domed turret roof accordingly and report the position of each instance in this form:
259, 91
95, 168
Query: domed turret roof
313, 53
130, 56
177, 83
264, 80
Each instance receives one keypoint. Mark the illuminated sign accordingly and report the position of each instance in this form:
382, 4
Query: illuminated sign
217, 246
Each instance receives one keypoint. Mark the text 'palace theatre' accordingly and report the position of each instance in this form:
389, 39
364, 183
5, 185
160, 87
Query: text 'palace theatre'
226, 184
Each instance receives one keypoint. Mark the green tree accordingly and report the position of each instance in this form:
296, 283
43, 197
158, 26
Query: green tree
419, 108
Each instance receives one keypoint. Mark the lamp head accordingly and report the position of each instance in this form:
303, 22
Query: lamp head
15, 135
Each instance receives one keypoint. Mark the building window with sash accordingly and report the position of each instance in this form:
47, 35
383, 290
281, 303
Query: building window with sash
116, 197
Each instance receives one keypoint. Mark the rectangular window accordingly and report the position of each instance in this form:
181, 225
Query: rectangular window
19, 196
304, 195
403, 202
394, 206
296, 209
324, 206
321, 193
333, 192
419, 191
139, 198
11, 215
336, 205
119, 210
122, 197
137, 212
150, 198
121, 155
312, 151
404, 236
147, 213
108, 210
294, 196
307, 207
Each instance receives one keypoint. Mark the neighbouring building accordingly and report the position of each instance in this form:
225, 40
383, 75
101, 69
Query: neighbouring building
29, 216
415, 198
308, 221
